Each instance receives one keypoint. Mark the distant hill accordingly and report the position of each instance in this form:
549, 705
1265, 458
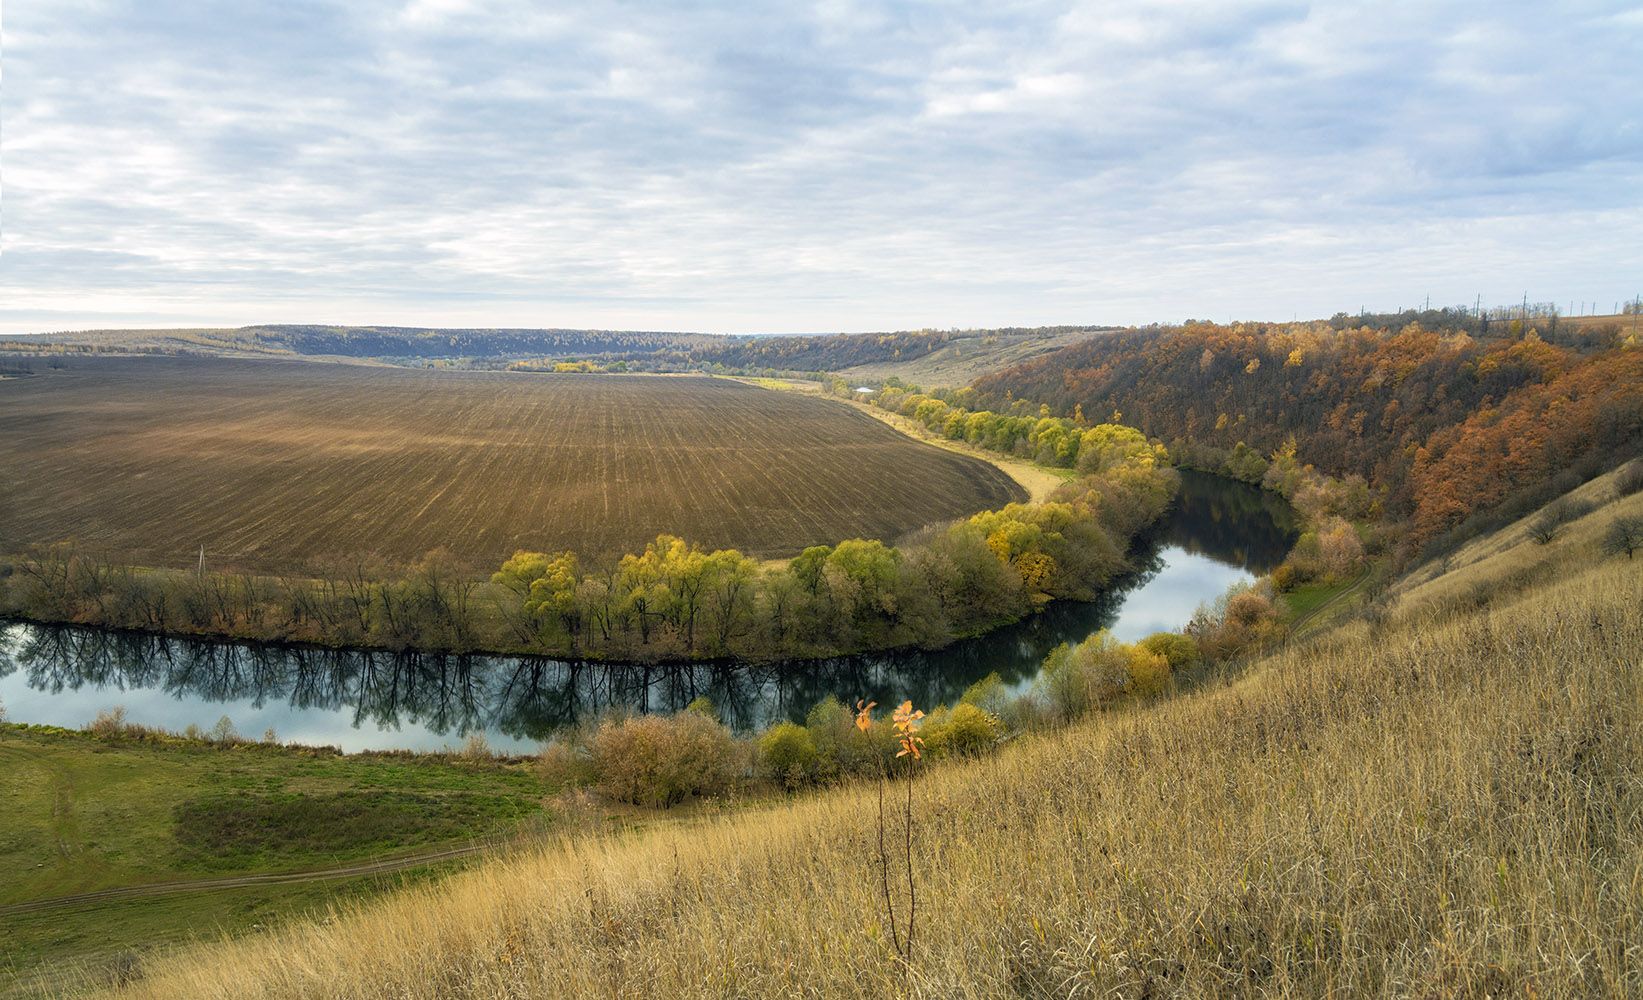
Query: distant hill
968, 355
960, 355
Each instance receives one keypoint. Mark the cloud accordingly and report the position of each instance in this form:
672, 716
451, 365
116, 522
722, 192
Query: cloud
852, 165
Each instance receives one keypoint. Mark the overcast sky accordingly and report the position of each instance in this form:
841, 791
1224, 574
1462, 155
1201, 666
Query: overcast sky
847, 166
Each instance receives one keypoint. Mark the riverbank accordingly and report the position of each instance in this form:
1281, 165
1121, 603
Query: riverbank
1217, 533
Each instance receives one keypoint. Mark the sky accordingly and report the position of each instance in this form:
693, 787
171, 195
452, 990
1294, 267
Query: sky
747, 168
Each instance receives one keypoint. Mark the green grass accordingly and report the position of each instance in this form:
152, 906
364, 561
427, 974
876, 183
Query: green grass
83, 814
239, 833
1305, 599
53, 948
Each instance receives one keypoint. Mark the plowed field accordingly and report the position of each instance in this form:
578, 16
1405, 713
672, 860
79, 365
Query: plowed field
276, 466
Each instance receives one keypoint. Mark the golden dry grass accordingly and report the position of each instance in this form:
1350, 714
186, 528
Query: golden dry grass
1509, 559
1448, 811
1039, 481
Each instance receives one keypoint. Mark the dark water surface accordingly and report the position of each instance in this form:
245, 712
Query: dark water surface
1219, 533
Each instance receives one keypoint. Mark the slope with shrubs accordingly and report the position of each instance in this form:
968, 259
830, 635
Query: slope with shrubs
1444, 801
1447, 425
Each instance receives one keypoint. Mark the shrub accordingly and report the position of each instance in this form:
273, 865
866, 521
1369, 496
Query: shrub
988, 694
966, 731
475, 750
787, 753
1543, 529
1558, 513
1243, 618
1629, 480
1623, 537
1291, 574
565, 763
1180, 650
1077, 680
1339, 548
1149, 672
841, 748
110, 723
660, 761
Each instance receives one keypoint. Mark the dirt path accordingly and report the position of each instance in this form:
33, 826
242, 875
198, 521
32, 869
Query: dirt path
1312, 615
1038, 481
243, 881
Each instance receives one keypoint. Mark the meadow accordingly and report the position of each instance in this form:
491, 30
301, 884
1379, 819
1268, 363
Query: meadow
134, 813
277, 467
1438, 800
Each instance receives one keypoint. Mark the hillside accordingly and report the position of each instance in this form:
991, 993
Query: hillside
1444, 803
1445, 424
970, 354
933, 357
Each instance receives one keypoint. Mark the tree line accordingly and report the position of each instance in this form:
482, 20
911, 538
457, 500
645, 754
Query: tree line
1440, 423
945, 582
674, 600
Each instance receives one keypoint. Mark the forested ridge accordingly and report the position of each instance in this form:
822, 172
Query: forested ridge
1445, 424
634, 350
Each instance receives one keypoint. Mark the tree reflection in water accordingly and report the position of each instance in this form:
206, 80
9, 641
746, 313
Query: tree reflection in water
528, 698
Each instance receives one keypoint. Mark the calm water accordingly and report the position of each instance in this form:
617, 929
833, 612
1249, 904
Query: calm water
1220, 532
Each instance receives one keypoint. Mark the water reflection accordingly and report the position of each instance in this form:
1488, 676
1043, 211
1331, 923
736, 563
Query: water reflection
1219, 532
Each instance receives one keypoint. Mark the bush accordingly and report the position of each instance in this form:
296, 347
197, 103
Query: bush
988, 694
661, 761
1077, 680
1629, 479
788, 754
1623, 537
109, 724
475, 750
966, 731
1180, 650
1242, 619
1292, 573
1543, 529
841, 749
566, 763
1149, 673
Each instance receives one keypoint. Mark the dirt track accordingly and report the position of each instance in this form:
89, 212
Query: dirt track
243, 881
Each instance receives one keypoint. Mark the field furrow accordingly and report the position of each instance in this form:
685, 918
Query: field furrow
283, 466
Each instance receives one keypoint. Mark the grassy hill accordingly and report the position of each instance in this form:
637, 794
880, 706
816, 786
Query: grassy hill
1443, 801
970, 354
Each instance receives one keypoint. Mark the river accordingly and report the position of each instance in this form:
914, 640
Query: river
1219, 533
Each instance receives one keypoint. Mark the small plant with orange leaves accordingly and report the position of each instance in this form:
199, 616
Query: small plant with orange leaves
905, 721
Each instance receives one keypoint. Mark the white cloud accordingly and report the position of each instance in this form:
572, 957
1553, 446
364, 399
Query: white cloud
854, 166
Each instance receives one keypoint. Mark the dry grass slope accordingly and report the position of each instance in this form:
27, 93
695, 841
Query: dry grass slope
1448, 811
971, 356
277, 466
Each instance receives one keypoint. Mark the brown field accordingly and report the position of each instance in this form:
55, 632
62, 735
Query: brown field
275, 466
